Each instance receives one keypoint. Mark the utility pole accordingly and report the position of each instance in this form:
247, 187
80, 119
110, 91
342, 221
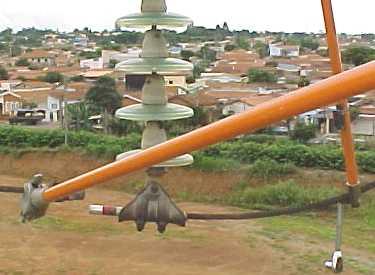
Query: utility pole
65, 121
64, 114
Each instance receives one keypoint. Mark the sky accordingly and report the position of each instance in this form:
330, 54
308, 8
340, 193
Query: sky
259, 15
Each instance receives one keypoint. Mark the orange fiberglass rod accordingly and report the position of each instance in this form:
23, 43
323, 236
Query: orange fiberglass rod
346, 132
324, 93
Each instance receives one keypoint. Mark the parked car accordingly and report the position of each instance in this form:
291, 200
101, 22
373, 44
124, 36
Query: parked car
29, 117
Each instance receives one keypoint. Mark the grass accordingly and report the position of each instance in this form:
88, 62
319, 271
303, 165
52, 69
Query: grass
357, 233
214, 164
284, 194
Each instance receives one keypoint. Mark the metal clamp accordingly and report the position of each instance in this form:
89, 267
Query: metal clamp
336, 263
33, 206
153, 205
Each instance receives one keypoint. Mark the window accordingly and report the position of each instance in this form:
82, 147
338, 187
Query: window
53, 106
170, 82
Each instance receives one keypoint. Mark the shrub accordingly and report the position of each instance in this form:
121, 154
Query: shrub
256, 75
210, 164
53, 77
99, 145
229, 47
303, 132
22, 62
3, 73
261, 138
269, 168
77, 78
233, 153
282, 194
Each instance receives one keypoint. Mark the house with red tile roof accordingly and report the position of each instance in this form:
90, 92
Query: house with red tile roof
40, 58
238, 62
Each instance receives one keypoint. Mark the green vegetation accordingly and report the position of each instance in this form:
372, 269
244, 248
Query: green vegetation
90, 54
303, 133
358, 55
78, 116
309, 43
303, 82
186, 54
112, 63
207, 54
317, 156
211, 164
3, 73
304, 41
15, 138
262, 49
77, 78
53, 77
256, 75
104, 96
242, 42
269, 169
229, 47
282, 194
235, 153
22, 62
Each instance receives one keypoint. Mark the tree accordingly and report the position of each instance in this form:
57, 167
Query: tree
242, 42
22, 62
262, 49
256, 75
112, 63
7, 34
198, 70
104, 96
229, 47
226, 27
309, 43
358, 55
303, 82
53, 77
3, 73
186, 54
207, 54
78, 116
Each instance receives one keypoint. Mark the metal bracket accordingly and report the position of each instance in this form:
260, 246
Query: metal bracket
33, 206
338, 118
336, 264
355, 195
153, 205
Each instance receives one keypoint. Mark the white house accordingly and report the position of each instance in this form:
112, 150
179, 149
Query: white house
107, 56
277, 50
92, 64
81, 41
40, 58
364, 125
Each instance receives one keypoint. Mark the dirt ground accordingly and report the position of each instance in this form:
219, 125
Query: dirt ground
70, 241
